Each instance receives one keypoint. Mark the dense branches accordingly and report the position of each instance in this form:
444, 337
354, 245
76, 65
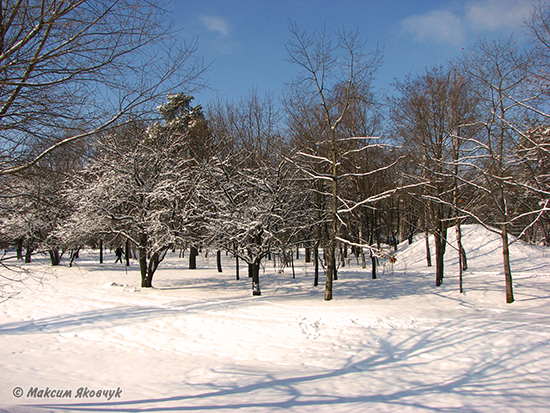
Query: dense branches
142, 183
81, 66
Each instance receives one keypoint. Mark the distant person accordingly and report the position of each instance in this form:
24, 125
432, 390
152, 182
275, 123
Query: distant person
119, 253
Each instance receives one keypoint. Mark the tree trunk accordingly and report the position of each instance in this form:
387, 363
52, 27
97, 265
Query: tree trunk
74, 255
308, 254
440, 246
154, 262
128, 252
219, 260
254, 272
292, 264
373, 261
507, 268
331, 270
55, 258
101, 251
316, 264
28, 254
331, 265
20, 248
462, 266
193, 252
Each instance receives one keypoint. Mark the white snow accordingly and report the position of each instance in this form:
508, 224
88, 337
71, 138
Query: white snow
199, 341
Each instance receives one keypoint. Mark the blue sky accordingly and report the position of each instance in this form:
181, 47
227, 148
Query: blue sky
244, 40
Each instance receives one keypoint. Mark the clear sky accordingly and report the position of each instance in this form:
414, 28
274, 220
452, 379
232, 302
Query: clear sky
244, 40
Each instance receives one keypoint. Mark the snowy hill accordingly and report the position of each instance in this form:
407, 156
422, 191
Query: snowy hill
484, 252
199, 341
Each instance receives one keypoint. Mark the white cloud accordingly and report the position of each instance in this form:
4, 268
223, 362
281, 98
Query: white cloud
444, 26
216, 24
439, 26
498, 14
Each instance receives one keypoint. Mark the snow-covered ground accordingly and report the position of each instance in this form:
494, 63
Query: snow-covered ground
199, 341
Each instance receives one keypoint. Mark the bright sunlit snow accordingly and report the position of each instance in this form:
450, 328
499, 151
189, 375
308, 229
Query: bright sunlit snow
199, 341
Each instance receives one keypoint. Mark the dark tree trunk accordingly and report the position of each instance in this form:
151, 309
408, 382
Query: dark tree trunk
193, 252
308, 254
128, 252
101, 251
440, 246
74, 255
219, 260
254, 273
507, 268
331, 270
20, 248
462, 264
236, 261
55, 258
292, 264
154, 262
28, 254
316, 264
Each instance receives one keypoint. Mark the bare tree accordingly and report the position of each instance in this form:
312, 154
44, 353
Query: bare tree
80, 67
426, 115
498, 72
334, 73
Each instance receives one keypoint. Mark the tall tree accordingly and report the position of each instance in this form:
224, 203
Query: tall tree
333, 73
498, 72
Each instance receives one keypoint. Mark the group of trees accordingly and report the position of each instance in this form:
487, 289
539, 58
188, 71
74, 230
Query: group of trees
328, 168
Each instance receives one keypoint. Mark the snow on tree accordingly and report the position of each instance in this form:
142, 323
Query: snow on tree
253, 208
142, 184
33, 207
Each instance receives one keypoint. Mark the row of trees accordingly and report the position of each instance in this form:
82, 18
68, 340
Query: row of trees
328, 168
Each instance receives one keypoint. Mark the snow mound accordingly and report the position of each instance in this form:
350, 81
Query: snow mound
483, 250
124, 287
